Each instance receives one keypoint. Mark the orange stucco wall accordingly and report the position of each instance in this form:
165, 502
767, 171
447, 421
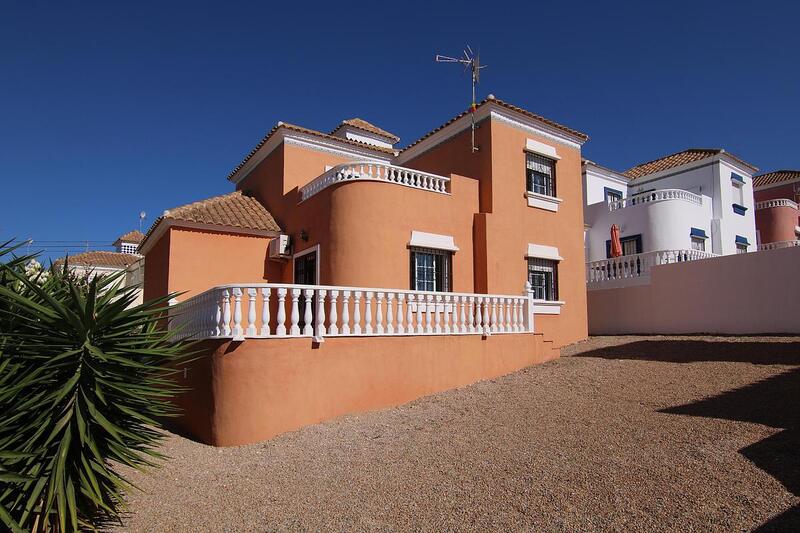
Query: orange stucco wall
253, 390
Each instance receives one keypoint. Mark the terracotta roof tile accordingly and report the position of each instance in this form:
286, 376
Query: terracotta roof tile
779, 176
301, 129
233, 210
366, 126
134, 236
677, 159
100, 259
512, 107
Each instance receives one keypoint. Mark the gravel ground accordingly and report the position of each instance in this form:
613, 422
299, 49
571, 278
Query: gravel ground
625, 433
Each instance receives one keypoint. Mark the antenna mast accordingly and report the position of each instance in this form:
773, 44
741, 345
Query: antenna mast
472, 62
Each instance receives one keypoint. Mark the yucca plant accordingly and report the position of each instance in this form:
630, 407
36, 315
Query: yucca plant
85, 383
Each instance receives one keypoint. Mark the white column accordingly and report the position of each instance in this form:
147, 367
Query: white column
509, 325
494, 315
308, 314
218, 324
346, 313
321, 293
265, 311
428, 310
368, 313
528, 307
390, 313
357, 313
379, 315
226, 312
438, 308
294, 317
515, 315
486, 324
333, 328
463, 314
280, 329
251, 313
400, 327
420, 299
237, 312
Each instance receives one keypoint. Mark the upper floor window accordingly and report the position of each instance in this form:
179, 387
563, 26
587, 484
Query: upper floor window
612, 195
431, 269
741, 244
699, 244
543, 277
541, 174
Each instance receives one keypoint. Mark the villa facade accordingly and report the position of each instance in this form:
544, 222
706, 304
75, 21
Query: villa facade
344, 274
693, 204
777, 195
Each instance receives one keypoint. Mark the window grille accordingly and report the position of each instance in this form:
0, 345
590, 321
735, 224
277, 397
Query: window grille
431, 270
541, 174
543, 277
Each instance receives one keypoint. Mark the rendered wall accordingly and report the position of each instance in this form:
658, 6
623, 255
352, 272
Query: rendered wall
752, 293
776, 224
253, 390
595, 184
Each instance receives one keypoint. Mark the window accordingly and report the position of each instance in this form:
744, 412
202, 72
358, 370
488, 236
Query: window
612, 195
699, 243
431, 269
541, 174
543, 277
741, 248
630, 245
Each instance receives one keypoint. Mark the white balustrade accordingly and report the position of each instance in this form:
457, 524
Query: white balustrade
778, 202
638, 265
261, 311
777, 245
376, 171
659, 195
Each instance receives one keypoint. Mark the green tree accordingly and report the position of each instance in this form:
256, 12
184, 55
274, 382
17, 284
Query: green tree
85, 383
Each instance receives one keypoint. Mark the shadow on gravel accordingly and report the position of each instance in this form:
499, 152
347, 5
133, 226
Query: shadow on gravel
693, 351
771, 402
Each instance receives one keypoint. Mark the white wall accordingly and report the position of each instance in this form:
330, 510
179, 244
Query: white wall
596, 180
732, 224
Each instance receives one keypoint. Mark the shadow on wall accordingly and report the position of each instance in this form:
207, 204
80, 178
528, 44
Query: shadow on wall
772, 402
694, 351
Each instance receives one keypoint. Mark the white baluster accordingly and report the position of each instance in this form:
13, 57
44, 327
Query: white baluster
368, 313
400, 327
494, 315
320, 318
379, 315
280, 329
333, 328
251, 313
265, 291
357, 313
294, 329
346, 313
437, 309
218, 329
428, 313
501, 315
389, 313
509, 325
487, 330
226, 313
515, 314
420, 305
308, 299
471, 311
450, 314
237, 312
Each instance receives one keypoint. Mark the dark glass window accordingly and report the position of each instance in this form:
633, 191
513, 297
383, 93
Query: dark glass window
431, 270
543, 276
541, 174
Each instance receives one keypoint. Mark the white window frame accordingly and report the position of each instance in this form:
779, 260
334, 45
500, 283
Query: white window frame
551, 253
307, 251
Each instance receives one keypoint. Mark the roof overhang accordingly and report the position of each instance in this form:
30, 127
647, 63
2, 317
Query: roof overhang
737, 164
163, 224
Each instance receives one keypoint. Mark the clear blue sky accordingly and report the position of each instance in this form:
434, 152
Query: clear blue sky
112, 108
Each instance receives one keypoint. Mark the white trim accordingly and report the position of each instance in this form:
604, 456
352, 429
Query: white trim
167, 223
541, 201
540, 148
542, 251
547, 307
337, 147
529, 125
433, 240
310, 249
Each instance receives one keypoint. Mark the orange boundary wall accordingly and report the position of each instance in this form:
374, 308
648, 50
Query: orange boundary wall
245, 392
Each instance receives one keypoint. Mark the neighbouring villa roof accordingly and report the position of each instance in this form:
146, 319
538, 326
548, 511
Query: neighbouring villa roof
779, 176
677, 159
134, 237
366, 126
100, 259
232, 210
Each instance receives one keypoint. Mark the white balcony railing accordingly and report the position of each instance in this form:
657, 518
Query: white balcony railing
269, 310
638, 265
779, 202
375, 171
656, 196
777, 245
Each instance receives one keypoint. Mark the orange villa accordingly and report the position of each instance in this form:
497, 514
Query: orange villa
344, 274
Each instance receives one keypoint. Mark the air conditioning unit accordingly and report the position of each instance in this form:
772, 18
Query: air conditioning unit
280, 248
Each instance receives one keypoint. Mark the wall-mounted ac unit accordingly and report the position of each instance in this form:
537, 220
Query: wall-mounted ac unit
280, 248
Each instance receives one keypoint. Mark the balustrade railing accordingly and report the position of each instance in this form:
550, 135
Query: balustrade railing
656, 196
638, 265
376, 171
778, 244
270, 310
779, 202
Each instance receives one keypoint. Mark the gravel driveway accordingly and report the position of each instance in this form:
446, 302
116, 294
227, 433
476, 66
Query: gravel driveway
625, 433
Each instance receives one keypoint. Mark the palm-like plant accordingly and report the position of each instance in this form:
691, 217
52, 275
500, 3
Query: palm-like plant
85, 381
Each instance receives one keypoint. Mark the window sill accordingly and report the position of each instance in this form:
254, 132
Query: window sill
548, 203
739, 209
547, 307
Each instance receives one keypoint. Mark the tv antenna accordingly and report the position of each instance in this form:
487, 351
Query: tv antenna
142, 216
472, 62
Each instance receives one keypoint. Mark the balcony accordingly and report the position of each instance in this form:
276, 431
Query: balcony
778, 245
780, 202
269, 310
376, 171
630, 269
660, 195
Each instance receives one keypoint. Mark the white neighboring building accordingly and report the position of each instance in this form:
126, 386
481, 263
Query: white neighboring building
688, 205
